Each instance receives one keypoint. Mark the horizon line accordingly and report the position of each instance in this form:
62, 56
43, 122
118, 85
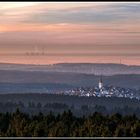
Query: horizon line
102, 63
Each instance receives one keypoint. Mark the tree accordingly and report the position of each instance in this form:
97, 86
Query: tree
39, 105
31, 104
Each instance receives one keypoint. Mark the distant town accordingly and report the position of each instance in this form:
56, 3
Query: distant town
103, 91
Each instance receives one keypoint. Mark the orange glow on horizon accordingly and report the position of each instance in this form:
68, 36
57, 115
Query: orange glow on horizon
43, 60
69, 27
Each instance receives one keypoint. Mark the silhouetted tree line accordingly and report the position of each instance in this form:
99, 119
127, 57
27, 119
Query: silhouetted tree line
33, 108
10, 106
67, 124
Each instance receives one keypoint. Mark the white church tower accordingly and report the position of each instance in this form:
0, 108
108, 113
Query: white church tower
100, 83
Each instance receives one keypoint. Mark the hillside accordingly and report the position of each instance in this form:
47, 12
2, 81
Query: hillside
86, 68
36, 81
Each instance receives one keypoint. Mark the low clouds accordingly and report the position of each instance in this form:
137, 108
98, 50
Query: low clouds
86, 16
116, 12
52, 13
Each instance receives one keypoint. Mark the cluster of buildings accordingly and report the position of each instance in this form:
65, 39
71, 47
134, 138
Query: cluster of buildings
105, 91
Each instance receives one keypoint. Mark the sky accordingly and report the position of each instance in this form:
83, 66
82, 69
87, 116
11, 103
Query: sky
70, 32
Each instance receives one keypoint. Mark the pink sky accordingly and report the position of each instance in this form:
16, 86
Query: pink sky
70, 32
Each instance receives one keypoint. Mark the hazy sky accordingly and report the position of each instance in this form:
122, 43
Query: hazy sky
95, 32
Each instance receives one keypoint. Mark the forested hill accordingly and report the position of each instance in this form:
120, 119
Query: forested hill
23, 79
66, 124
86, 68
35, 103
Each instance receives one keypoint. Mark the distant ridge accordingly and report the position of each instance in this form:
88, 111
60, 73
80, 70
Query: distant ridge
84, 68
3, 63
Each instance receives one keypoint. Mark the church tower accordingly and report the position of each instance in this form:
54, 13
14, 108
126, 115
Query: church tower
100, 83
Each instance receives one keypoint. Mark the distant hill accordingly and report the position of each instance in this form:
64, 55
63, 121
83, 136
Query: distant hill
78, 105
37, 81
19, 78
85, 68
